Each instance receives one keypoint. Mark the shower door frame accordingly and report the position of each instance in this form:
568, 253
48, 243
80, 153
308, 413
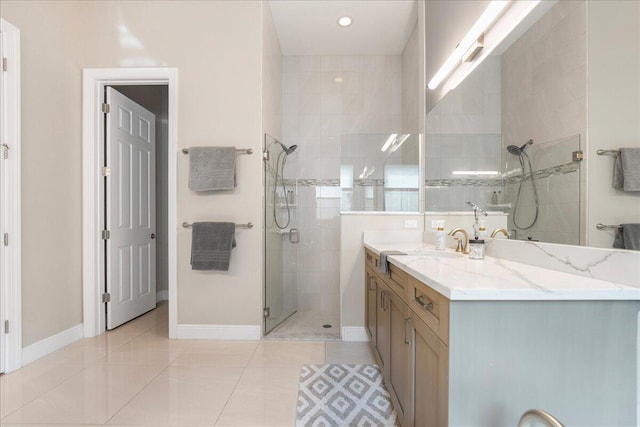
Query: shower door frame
265, 158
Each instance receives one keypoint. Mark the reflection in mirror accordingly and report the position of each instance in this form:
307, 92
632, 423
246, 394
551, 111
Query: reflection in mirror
380, 173
533, 88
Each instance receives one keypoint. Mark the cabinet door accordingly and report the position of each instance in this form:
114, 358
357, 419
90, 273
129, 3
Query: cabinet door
430, 377
370, 305
382, 326
399, 364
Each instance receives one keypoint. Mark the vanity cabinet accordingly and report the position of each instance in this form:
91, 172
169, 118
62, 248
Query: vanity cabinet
429, 374
464, 361
408, 325
370, 304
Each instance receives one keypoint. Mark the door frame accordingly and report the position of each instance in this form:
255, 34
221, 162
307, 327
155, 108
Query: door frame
94, 80
10, 256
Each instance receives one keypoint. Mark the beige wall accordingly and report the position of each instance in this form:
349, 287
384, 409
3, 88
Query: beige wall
614, 110
216, 47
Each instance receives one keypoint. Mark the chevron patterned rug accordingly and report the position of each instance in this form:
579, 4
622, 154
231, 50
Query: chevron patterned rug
343, 395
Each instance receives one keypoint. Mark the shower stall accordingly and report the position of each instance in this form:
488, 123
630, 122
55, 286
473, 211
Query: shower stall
281, 234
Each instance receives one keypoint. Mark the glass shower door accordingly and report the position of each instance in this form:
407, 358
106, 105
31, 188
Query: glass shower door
281, 234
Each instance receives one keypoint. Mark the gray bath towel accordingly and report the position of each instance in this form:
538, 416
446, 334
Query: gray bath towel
383, 264
211, 244
212, 168
626, 170
627, 237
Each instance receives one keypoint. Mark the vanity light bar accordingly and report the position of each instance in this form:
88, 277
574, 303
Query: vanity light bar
487, 18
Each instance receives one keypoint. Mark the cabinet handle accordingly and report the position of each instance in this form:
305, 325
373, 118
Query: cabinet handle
372, 286
369, 258
427, 306
406, 320
382, 300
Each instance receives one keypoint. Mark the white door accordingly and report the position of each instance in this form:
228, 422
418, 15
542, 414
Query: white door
130, 210
2, 214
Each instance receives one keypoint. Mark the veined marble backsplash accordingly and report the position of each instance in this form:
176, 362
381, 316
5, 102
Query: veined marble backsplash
614, 265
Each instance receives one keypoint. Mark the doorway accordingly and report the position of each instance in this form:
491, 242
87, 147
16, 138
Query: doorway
135, 148
147, 86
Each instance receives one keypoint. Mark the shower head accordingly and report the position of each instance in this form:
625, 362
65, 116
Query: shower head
290, 149
287, 150
516, 151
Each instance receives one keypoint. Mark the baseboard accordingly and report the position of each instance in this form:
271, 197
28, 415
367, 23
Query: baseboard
48, 345
162, 296
354, 333
219, 332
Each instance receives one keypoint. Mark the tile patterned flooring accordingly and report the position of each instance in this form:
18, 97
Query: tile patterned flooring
307, 325
136, 376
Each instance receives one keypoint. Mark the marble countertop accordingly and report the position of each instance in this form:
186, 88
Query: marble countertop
459, 278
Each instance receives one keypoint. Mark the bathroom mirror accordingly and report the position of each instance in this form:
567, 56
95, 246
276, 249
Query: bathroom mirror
511, 135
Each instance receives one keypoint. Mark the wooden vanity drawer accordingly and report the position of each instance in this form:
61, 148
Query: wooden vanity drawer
371, 259
430, 306
397, 280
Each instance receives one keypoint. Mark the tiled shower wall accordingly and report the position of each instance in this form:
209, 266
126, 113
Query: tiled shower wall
544, 98
324, 98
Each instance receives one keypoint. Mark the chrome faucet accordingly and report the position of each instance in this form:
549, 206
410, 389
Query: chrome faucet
476, 210
461, 248
500, 230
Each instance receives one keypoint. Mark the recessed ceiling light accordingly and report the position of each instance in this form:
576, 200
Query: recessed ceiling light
345, 21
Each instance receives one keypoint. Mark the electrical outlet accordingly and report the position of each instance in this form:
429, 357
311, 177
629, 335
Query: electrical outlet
410, 223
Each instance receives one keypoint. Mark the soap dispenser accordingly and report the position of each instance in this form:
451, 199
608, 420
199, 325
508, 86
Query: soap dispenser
440, 236
482, 229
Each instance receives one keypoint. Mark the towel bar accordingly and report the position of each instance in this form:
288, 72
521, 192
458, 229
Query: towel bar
238, 151
247, 225
606, 152
607, 227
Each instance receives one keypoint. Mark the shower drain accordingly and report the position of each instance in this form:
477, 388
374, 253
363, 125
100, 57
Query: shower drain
327, 326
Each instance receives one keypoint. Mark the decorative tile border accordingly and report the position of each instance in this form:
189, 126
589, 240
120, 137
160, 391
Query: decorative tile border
547, 172
442, 182
498, 182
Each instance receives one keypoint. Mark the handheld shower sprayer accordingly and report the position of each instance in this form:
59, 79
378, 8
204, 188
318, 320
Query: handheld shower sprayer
522, 154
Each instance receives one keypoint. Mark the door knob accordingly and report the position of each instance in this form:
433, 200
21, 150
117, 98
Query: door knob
153, 235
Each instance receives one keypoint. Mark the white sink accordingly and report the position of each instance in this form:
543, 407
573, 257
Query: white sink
440, 254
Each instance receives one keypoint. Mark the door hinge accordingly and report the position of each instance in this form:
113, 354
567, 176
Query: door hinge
106, 234
6, 239
577, 156
265, 156
4, 64
106, 171
6, 326
5, 151
106, 297
106, 108
266, 312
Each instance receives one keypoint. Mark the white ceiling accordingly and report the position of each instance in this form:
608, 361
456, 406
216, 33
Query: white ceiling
309, 27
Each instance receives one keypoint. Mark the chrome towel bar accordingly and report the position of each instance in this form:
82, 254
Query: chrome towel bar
247, 225
607, 227
238, 151
607, 152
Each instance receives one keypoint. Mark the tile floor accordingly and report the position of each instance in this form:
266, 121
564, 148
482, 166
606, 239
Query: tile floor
307, 325
136, 376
